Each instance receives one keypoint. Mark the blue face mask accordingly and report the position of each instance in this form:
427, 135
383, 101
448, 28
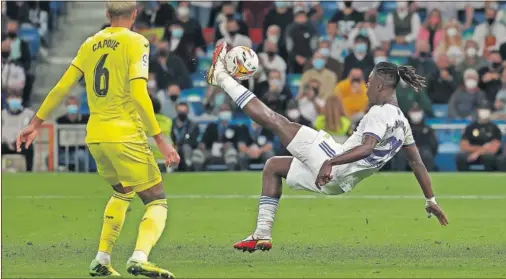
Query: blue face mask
325, 52
363, 32
380, 59
14, 104
177, 33
72, 109
361, 48
318, 63
225, 115
281, 4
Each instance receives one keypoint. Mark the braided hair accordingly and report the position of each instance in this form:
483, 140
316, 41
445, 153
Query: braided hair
391, 74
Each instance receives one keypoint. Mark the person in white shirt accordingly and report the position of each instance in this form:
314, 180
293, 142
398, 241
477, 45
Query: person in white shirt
403, 23
233, 37
491, 34
270, 59
319, 164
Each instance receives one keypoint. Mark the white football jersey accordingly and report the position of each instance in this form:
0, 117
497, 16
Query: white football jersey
390, 127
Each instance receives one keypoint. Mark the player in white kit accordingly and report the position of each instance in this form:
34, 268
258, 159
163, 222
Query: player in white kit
319, 164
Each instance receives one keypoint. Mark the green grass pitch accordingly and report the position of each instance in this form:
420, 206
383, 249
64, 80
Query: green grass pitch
51, 224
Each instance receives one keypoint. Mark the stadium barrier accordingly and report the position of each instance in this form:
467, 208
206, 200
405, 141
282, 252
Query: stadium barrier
55, 148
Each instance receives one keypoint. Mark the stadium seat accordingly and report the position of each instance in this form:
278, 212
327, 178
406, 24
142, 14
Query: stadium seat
440, 111
193, 94
196, 108
387, 6
31, 36
199, 80
294, 80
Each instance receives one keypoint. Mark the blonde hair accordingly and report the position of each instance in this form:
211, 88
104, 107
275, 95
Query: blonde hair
121, 8
333, 111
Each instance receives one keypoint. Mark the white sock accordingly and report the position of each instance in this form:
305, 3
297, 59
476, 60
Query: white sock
240, 94
266, 210
103, 258
140, 256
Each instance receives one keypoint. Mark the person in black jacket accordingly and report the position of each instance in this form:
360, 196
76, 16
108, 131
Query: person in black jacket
360, 58
425, 139
219, 142
490, 76
281, 15
441, 87
184, 135
169, 68
255, 145
164, 14
301, 40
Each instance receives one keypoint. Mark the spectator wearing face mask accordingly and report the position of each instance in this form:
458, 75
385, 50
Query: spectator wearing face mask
169, 68
425, 139
319, 72
13, 75
338, 44
432, 30
273, 37
184, 135
490, 35
192, 30
500, 100
294, 115
480, 142
271, 60
310, 104
255, 145
280, 15
229, 14
441, 87
364, 29
165, 14
346, 18
276, 95
407, 98
214, 99
301, 40
181, 45
352, 92
380, 55
490, 76
233, 37
219, 143
169, 100
403, 23
360, 58
465, 100
472, 59
332, 119
330, 63
14, 119
451, 45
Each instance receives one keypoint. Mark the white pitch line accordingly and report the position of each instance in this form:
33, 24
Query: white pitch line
292, 197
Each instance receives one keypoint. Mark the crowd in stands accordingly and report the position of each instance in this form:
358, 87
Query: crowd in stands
26, 28
315, 60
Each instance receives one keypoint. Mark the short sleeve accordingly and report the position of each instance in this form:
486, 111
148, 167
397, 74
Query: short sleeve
374, 124
138, 53
467, 133
409, 140
496, 133
78, 61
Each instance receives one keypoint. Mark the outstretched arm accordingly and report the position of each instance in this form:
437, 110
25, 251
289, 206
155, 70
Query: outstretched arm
423, 178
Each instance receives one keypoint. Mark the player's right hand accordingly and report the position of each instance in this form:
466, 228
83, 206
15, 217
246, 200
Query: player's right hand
27, 136
324, 176
434, 209
169, 153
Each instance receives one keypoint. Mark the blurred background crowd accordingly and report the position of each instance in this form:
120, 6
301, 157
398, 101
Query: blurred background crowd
315, 59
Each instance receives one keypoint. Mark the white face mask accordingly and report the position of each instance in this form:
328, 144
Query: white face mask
183, 12
483, 114
151, 84
470, 83
273, 38
293, 114
416, 116
452, 32
471, 52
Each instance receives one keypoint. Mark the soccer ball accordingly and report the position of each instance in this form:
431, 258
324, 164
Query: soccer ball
241, 62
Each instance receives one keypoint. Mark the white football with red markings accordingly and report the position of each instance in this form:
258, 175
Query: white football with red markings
241, 62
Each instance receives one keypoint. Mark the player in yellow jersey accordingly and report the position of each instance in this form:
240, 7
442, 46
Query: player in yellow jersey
114, 63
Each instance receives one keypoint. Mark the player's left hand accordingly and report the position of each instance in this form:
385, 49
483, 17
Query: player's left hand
27, 136
434, 209
324, 176
169, 154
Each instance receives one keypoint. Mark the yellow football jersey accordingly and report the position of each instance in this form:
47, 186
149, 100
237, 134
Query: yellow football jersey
109, 60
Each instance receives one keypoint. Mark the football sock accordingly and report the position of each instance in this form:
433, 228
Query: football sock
240, 94
266, 211
114, 217
150, 229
